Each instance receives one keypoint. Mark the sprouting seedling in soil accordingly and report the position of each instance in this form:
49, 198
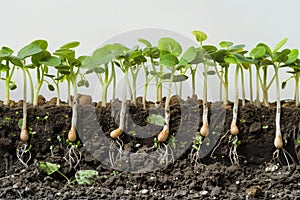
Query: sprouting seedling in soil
279, 59
295, 74
203, 56
256, 55
122, 60
219, 56
102, 63
70, 66
40, 62
152, 53
51, 168
56, 80
170, 50
5, 60
137, 61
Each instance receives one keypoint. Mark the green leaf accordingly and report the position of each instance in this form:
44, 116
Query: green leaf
86, 84
168, 60
99, 70
86, 176
156, 120
102, 56
52, 61
225, 44
33, 48
80, 83
180, 78
16, 61
211, 72
5, 52
292, 56
237, 47
65, 53
145, 42
283, 84
48, 167
280, 44
258, 52
188, 56
268, 49
4, 68
231, 60
70, 45
12, 86
170, 45
199, 35
51, 87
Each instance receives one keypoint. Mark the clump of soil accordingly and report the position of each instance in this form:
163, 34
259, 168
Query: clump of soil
213, 177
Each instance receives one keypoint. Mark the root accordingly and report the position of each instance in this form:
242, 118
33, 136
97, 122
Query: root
234, 158
219, 143
165, 154
73, 157
21, 151
286, 155
195, 156
115, 154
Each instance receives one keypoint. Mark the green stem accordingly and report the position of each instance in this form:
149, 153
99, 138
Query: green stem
31, 85
104, 95
69, 92
226, 86
193, 73
24, 100
258, 78
243, 86
297, 90
123, 106
278, 105
58, 93
74, 106
236, 102
250, 84
205, 107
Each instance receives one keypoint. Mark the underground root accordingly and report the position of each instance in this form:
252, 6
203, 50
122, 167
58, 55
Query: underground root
115, 151
73, 157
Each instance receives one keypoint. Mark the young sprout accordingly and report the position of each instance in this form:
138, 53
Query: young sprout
5, 59
219, 57
122, 55
203, 56
102, 63
70, 66
295, 74
170, 50
152, 53
256, 55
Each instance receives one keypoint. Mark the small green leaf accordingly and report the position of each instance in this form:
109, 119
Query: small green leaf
156, 120
51, 61
80, 83
225, 44
292, 56
258, 52
16, 61
70, 45
145, 42
231, 60
86, 83
170, 45
211, 72
48, 167
199, 35
4, 68
180, 78
188, 56
280, 44
12, 86
51, 87
86, 176
33, 48
283, 84
5, 52
168, 60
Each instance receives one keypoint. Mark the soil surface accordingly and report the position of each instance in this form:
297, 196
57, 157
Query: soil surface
223, 167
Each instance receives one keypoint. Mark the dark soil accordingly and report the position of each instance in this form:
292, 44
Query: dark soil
211, 176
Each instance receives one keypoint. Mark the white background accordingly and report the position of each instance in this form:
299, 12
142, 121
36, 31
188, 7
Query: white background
94, 21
